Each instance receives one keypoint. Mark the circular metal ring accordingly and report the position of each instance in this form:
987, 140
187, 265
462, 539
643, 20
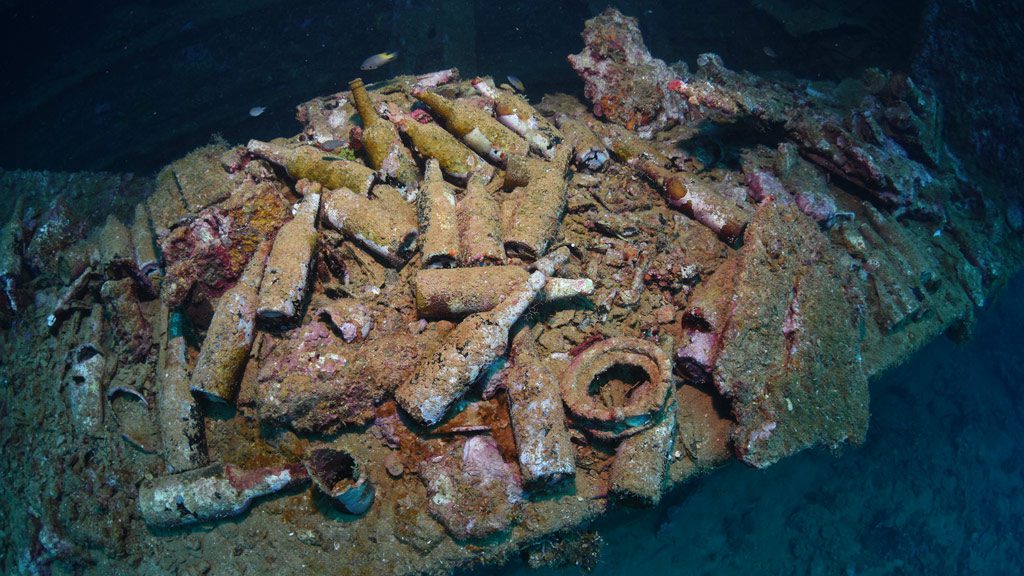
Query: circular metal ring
645, 404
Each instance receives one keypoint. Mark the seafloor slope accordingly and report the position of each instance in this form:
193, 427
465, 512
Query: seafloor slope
442, 325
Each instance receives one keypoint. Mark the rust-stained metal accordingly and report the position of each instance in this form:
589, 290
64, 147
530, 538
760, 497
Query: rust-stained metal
646, 402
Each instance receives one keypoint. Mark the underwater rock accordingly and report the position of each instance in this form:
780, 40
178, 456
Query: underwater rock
471, 489
212, 493
625, 83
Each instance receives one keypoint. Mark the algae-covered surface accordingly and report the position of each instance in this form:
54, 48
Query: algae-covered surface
674, 318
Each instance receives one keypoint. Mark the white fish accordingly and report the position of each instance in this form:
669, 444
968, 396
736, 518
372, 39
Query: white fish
257, 110
516, 83
378, 60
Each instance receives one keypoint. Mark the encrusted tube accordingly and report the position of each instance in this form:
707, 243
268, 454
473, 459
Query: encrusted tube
144, 242
85, 378
588, 150
482, 133
286, 277
114, 249
388, 234
432, 141
182, 428
130, 325
313, 164
212, 493
516, 113
626, 145
532, 215
698, 202
457, 292
546, 454
67, 298
337, 474
704, 320
466, 352
641, 461
230, 336
479, 224
438, 220
517, 172
12, 237
381, 141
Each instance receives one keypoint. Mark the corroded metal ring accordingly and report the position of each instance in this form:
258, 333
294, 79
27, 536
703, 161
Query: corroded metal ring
646, 403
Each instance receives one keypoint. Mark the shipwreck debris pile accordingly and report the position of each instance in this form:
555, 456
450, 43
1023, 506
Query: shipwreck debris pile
471, 324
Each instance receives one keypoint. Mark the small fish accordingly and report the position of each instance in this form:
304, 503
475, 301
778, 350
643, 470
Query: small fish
331, 145
769, 52
516, 83
257, 110
378, 60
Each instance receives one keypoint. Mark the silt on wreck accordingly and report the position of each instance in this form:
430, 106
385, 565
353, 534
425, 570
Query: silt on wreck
479, 323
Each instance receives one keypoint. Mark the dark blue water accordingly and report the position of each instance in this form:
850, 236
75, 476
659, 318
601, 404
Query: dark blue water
129, 86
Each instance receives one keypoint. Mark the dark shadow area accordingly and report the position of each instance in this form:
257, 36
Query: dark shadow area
130, 86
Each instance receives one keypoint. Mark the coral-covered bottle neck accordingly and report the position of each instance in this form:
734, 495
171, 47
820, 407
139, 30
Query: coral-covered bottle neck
362, 102
439, 104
